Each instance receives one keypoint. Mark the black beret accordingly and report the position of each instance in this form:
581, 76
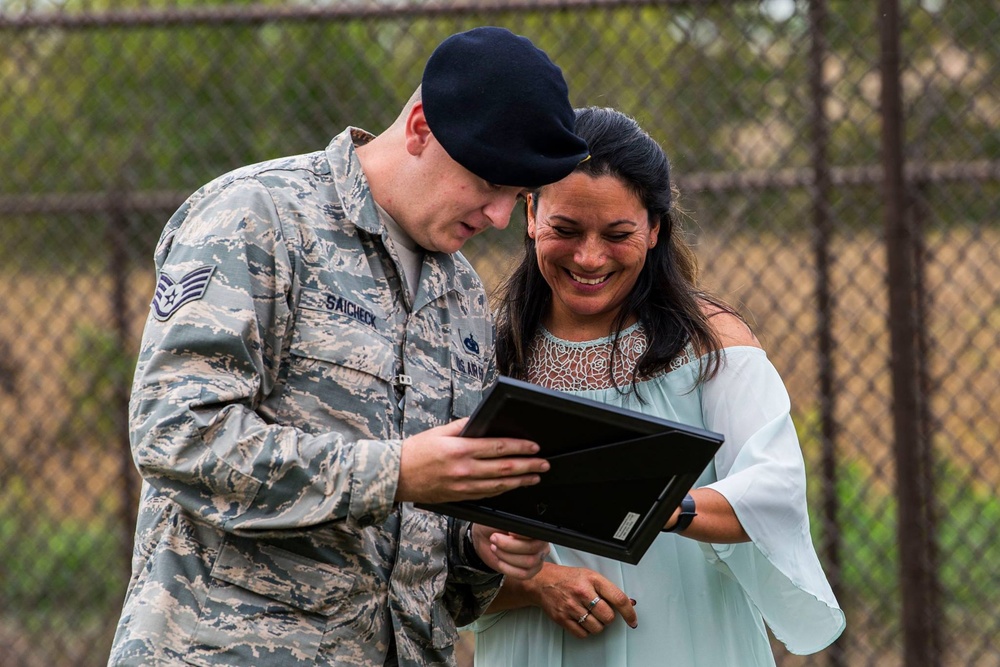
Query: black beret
500, 108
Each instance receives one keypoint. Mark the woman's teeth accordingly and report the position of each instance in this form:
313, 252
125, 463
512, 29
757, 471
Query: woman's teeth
588, 281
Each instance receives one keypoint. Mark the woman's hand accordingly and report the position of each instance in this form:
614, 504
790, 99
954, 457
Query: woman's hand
580, 600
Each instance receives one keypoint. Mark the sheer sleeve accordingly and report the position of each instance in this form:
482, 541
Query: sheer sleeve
762, 474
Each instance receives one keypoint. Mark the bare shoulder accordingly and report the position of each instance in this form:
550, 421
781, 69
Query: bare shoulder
731, 329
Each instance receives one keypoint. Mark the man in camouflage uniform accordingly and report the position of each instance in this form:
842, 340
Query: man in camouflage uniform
312, 343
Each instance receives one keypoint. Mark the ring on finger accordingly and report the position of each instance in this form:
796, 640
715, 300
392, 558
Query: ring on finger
583, 618
593, 603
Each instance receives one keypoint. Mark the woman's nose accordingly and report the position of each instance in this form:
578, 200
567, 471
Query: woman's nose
589, 254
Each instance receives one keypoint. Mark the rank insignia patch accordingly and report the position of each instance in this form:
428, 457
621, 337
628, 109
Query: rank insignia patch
171, 295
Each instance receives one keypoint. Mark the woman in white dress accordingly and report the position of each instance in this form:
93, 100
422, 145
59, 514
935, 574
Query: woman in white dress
604, 304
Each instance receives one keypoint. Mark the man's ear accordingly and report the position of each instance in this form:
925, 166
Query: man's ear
418, 132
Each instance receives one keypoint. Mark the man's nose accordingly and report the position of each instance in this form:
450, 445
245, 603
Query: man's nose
499, 209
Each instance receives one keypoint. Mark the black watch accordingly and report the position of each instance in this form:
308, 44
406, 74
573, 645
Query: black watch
686, 516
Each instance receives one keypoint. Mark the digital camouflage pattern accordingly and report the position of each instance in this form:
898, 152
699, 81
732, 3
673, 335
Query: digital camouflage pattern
266, 418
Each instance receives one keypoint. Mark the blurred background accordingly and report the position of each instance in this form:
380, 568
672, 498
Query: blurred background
839, 163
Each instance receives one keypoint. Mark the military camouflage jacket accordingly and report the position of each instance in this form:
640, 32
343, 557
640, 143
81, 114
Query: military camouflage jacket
281, 366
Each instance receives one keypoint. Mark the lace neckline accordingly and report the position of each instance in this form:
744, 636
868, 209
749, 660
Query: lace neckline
586, 365
586, 343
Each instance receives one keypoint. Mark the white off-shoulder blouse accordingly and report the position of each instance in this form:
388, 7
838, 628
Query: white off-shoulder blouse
698, 604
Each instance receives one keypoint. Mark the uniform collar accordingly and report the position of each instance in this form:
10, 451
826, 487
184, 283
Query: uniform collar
438, 276
352, 185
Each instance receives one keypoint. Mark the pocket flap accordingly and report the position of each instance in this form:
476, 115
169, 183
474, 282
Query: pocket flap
284, 576
342, 341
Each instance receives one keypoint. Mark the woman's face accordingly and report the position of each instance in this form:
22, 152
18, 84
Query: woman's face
591, 238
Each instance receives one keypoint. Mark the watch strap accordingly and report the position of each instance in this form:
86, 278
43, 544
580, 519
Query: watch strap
471, 555
686, 516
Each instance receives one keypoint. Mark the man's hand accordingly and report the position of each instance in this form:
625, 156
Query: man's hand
439, 466
509, 554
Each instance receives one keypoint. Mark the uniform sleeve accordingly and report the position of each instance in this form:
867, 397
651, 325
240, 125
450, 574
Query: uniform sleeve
762, 474
470, 589
205, 367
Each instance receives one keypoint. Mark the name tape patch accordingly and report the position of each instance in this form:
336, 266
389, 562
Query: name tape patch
339, 304
470, 368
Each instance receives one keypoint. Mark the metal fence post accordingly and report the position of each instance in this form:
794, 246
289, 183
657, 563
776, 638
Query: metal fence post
913, 494
820, 192
118, 264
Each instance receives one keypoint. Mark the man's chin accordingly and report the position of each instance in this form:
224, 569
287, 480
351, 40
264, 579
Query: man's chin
455, 243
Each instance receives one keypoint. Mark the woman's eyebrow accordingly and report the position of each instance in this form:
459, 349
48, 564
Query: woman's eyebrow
574, 221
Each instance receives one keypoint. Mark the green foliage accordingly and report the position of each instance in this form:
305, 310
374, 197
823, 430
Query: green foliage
176, 106
866, 525
966, 531
53, 564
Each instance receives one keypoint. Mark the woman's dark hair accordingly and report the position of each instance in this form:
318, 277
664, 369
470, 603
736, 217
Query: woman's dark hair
665, 296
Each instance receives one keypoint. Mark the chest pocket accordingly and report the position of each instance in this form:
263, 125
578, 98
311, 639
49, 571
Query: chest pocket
468, 368
340, 373
467, 377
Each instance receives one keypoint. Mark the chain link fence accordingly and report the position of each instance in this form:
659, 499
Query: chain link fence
852, 216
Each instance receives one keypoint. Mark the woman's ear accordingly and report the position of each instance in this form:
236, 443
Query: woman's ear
529, 213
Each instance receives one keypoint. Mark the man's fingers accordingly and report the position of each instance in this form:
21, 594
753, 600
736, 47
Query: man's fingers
495, 448
503, 464
507, 467
484, 488
490, 477
453, 428
438, 465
